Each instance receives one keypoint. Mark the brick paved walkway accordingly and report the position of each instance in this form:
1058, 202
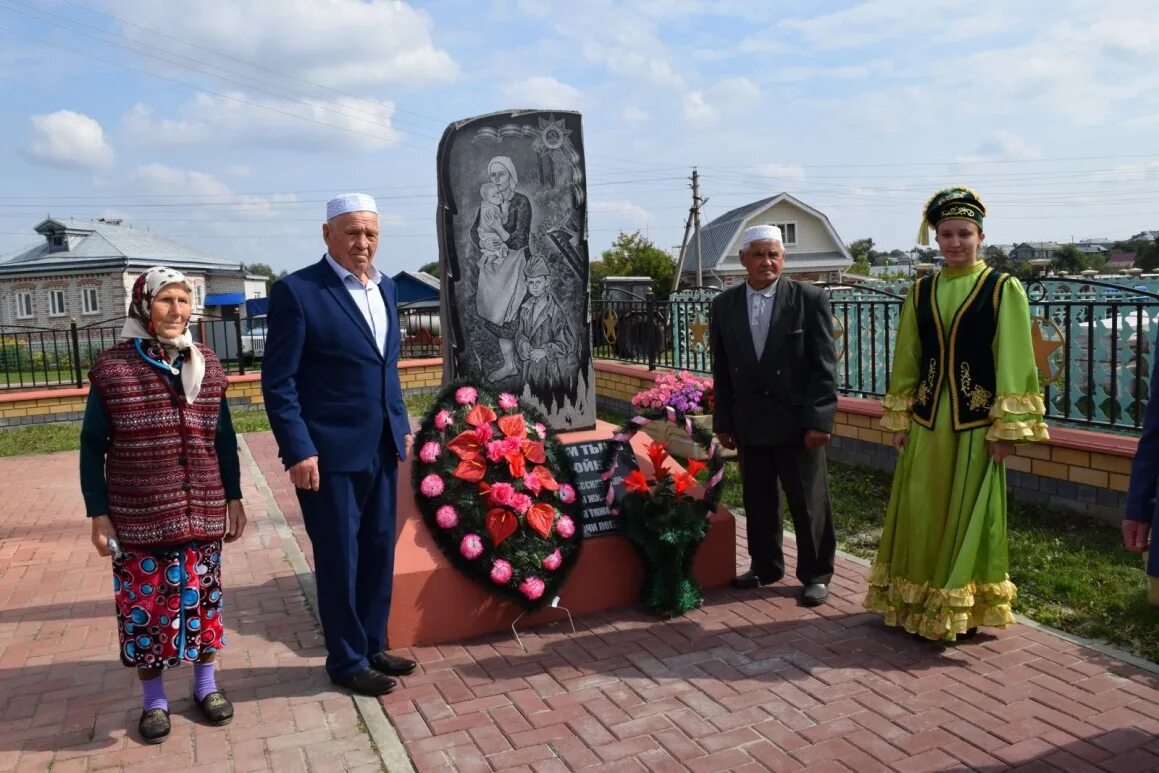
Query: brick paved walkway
749, 682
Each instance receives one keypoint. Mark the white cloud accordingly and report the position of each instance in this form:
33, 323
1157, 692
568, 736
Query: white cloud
240, 170
697, 110
622, 213
342, 44
793, 172
68, 140
543, 92
632, 114
1000, 146
315, 125
157, 178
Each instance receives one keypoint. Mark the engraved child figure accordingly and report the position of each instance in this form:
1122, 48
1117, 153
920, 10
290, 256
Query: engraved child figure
491, 221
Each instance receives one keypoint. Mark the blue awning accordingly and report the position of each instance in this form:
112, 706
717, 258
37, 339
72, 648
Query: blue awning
257, 307
224, 299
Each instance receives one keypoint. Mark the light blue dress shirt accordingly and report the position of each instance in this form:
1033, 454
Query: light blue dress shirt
368, 298
760, 310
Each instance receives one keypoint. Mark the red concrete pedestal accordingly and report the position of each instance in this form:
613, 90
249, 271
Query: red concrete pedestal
434, 602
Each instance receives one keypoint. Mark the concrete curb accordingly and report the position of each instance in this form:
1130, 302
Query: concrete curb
383, 737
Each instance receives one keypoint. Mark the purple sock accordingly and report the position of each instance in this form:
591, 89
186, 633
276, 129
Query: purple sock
155, 693
204, 681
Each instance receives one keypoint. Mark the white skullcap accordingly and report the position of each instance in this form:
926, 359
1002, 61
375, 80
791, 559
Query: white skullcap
350, 202
758, 233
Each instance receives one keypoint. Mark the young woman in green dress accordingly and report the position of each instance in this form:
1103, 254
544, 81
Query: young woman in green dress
963, 390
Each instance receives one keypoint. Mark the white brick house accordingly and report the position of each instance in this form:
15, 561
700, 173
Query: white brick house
84, 271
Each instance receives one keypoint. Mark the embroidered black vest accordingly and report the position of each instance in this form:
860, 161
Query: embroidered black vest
963, 356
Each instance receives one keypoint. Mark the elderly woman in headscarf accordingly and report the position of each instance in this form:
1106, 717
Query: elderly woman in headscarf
162, 488
501, 284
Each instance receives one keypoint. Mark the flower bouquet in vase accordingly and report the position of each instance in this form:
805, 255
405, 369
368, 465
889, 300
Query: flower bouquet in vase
682, 395
666, 524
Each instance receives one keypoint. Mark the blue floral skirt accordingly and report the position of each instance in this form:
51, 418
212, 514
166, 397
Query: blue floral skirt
168, 604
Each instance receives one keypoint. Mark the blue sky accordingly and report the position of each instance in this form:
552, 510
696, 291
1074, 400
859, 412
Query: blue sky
228, 125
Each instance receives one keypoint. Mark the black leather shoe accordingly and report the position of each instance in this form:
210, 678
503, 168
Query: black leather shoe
969, 634
154, 725
216, 708
366, 682
751, 581
815, 594
391, 665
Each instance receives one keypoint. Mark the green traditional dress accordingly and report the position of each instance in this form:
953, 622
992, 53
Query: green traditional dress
941, 566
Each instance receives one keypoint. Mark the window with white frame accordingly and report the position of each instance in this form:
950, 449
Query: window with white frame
788, 233
23, 304
90, 300
56, 303
198, 296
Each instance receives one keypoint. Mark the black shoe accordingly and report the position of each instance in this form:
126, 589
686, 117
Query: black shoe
366, 682
751, 581
154, 725
391, 665
815, 594
216, 708
969, 634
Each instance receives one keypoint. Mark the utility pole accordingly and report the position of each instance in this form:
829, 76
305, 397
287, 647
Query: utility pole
696, 217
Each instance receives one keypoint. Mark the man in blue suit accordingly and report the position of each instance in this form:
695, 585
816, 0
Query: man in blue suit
332, 392
1141, 521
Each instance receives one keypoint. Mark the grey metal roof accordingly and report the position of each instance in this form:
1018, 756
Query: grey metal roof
108, 245
716, 237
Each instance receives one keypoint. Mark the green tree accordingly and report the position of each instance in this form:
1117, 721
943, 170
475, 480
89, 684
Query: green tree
1147, 258
263, 269
1068, 260
860, 267
862, 249
432, 268
632, 254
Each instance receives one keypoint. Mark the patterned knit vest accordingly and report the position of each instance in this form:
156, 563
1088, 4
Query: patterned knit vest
161, 470
962, 355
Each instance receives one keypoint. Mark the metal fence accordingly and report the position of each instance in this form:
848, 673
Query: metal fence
1092, 343
34, 357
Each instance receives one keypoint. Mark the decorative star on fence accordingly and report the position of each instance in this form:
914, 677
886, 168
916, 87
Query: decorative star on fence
1044, 347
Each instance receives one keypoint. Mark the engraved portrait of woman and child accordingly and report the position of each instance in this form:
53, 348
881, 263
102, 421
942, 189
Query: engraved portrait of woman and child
513, 295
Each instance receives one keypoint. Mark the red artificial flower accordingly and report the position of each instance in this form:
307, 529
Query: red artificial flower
480, 415
515, 464
540, 516
546, 479
534, 452
501, 524
465, 445
683, 482
636, 482
658, 454
471, 470
513, 425
694, 466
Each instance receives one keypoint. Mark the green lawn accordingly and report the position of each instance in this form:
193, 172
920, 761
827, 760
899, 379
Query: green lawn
1071, 570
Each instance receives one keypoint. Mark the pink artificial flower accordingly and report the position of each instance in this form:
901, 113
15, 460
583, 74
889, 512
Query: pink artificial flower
532, 588
500, 571
508, 401
495, 450
512, 445
466, 395
521, 502
566, 494
552, 562
444, 419
565, 527
542, 430
447, 517
431, 486
502, 493
471, 547
430, 451
532, 483
484, 432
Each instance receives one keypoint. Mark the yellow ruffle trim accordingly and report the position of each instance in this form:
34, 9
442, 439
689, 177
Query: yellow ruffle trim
1018, 431
897, 411
1031, 402
940, 614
